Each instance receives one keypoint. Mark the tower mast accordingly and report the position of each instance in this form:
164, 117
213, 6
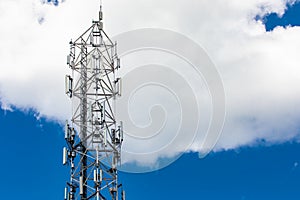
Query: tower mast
93, 135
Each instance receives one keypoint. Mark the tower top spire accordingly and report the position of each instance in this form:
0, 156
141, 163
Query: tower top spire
100, 11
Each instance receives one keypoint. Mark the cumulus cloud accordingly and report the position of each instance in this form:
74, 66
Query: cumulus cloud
260, 69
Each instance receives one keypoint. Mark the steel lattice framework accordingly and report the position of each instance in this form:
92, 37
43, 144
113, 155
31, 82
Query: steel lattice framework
93, 136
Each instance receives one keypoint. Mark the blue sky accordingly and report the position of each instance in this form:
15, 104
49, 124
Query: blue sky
31, 163
290, 18
31, 168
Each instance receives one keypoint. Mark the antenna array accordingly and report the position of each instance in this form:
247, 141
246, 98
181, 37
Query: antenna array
93, 136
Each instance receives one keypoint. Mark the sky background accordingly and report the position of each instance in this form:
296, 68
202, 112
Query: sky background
239, 168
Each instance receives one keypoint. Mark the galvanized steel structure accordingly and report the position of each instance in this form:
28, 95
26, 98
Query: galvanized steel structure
93, 135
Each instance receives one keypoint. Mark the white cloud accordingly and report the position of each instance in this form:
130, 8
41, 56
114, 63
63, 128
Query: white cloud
260, 69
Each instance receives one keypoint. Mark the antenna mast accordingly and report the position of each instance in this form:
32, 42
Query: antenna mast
93, 136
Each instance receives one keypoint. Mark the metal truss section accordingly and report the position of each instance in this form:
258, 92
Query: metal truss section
93, 136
